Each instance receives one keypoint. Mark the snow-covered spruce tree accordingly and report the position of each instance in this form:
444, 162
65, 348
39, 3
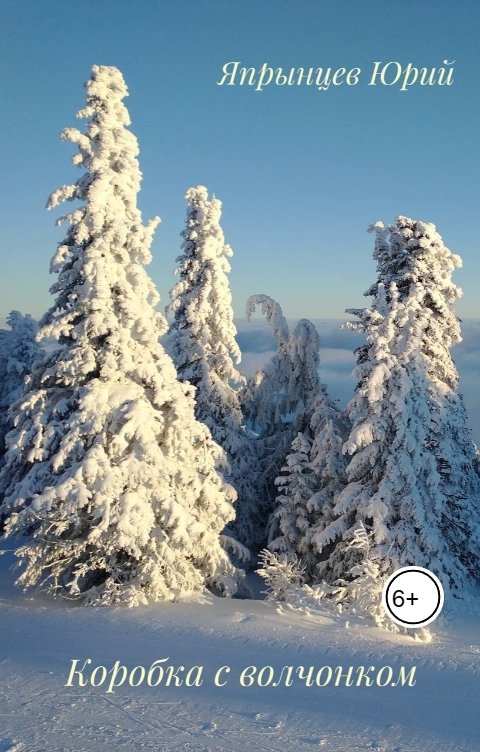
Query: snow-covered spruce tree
283, 575
18, 352
288, 522
280, 399
290, 519
395, 489
314, 470
265, 402
305, 389
419, 261
288, 403
108, 472
362, 589
267, 410
329, 429
201, 341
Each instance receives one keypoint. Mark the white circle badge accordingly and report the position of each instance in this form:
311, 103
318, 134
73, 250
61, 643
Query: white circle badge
413, 597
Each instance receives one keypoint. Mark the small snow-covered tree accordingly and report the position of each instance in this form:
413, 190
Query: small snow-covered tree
363, 584
296, 485
107, 471
201, 340
18, 352
329, 428
283, 575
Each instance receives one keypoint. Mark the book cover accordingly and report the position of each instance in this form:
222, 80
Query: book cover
239, 349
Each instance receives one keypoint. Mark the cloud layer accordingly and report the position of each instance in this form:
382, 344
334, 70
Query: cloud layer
337, 359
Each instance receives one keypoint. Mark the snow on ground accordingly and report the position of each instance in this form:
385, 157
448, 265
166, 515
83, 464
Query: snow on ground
40, 637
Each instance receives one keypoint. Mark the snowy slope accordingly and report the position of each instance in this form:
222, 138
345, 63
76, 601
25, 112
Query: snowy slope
39, 638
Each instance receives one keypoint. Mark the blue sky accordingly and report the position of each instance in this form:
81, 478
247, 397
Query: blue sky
301, 173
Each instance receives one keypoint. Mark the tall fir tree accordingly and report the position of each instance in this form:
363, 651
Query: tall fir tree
201, 340
423, 263
108, 472
397, 493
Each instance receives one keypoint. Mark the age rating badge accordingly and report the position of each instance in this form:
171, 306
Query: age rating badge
413, 597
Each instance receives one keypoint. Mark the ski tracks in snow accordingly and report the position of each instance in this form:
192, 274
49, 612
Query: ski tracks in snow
39, 714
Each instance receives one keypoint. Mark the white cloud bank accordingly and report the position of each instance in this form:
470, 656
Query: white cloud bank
337, 359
